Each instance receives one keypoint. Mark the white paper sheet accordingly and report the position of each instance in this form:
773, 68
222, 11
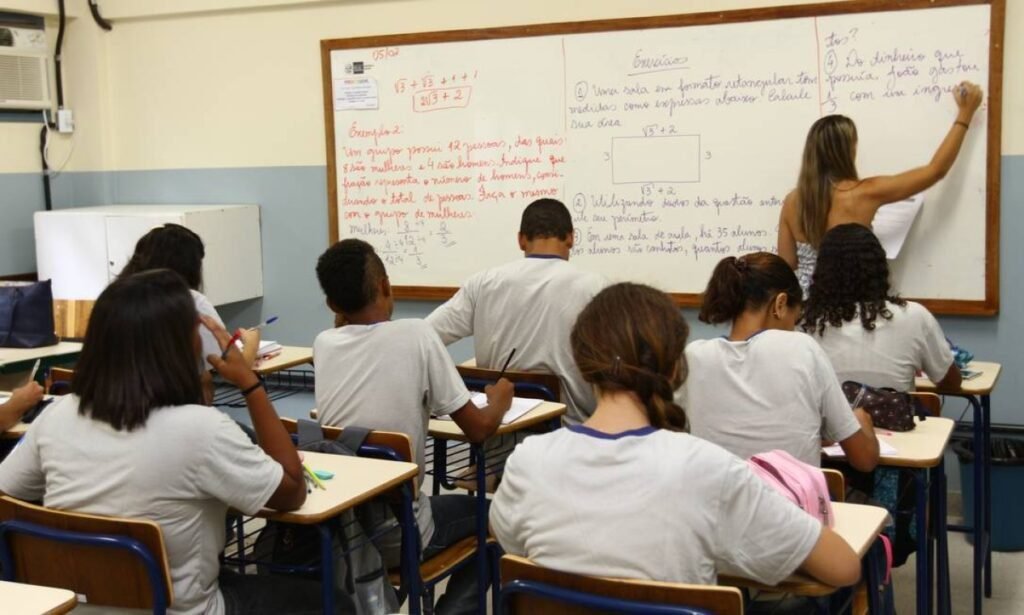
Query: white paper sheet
893, 221
355, 93
520, 406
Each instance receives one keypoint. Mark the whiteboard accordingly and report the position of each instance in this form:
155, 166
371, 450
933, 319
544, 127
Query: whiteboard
673, 146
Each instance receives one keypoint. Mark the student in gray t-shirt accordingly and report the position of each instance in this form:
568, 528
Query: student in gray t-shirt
391, 376
132, 440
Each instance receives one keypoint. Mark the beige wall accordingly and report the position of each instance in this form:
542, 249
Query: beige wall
204, 83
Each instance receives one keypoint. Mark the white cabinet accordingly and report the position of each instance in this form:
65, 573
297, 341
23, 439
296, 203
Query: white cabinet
83, 249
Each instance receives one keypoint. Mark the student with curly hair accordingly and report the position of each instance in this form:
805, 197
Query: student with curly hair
870, 334
764, 386
829, 192
629, 494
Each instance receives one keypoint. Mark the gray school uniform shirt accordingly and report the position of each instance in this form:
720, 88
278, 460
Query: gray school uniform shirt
646, 504
182, 469
530, 304
776, 390
389, 376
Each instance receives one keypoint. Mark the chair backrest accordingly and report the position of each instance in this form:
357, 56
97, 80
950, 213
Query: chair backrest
60, 380
529, 588
534, 385
836, 483
398, 442
71, 317
931, 402
74, 551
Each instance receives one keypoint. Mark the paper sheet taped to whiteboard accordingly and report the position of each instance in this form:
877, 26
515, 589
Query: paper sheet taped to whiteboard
893, 221
355, 93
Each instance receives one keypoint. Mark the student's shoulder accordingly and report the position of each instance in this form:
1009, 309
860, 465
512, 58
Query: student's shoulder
203, 305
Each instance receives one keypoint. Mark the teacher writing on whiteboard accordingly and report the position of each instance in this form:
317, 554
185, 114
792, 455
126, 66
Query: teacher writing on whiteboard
829, 192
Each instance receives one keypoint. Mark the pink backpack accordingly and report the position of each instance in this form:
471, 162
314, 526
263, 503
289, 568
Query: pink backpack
800, 483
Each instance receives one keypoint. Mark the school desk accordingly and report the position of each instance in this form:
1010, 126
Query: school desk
356, 480
290, 356
21, 359
24, 599
857, 524
977, 391
921, 451
443, 431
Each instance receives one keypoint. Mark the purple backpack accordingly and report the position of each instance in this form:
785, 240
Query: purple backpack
800, 483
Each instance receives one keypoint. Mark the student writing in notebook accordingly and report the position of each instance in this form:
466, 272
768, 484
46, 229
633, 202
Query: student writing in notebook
22, 399
529, 304
765, 386
629, 494
388, 375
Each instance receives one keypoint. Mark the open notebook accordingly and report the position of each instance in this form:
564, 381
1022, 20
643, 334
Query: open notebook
520, 406
266, 348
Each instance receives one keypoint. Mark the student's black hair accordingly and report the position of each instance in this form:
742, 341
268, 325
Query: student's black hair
546, 218
749, 281
350, 273
850, 279
140, 351
173, 247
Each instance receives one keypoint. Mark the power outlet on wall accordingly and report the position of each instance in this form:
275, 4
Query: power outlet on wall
65, 121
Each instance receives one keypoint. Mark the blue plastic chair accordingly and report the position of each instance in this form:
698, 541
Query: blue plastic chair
529, 588
111, 561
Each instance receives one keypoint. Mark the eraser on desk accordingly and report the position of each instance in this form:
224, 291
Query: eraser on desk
323, 474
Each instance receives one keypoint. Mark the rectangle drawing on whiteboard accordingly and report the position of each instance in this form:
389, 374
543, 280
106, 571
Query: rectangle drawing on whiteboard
644, 160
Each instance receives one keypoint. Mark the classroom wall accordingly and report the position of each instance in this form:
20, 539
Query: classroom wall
210, 101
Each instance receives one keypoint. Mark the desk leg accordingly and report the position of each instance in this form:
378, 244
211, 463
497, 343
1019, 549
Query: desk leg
943, 597
411, 552
977, 528
986, 414
873, 577
240, 546
481, 526
924, 586
326, 568
440, 463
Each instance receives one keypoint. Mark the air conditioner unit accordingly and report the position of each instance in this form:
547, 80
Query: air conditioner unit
24, 68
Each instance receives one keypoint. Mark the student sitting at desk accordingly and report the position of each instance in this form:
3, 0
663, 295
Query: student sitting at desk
869, 333
132, 441
764, 386
22, 399
530, 305
629, 494
391, 376
181, 250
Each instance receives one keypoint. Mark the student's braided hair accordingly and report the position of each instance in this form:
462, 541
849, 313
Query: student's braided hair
850, 279
350, 273
631, 337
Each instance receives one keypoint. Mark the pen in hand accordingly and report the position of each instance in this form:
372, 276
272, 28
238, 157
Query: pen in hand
507, 361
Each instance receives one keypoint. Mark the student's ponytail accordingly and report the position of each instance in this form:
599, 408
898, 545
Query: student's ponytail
749, 281
631, 338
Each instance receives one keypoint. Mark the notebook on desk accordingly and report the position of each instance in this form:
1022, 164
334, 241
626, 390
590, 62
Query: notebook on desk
520, 406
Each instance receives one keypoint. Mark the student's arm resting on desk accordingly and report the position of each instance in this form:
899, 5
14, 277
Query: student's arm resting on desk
952, 380
479, 423
890, 188
22, 400
861, 448
273, 439
853, 430
832, 561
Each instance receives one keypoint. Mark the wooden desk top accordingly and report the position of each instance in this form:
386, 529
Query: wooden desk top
23, 599
981, 385
441, 428
858, 525
922, 447
19, 355
356, 480
290, 356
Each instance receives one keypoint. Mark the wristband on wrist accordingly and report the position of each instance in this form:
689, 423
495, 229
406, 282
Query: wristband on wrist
960, 123
258, 385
